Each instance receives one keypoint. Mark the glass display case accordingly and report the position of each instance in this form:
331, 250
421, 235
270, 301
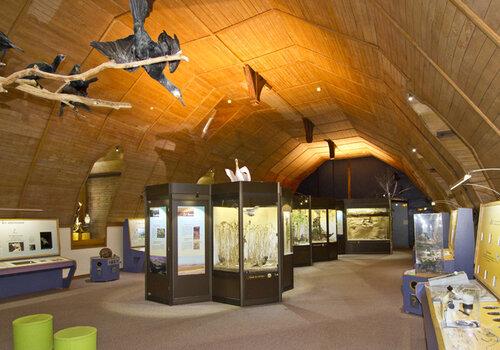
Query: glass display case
428, 243
248, 243
332, 225
323, 229
177, 243
287, 259
301, 230
319, 230
367, 224
134, 244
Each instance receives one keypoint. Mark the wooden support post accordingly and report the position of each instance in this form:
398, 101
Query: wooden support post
255, 83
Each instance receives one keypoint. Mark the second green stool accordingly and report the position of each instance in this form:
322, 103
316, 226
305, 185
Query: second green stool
76, 338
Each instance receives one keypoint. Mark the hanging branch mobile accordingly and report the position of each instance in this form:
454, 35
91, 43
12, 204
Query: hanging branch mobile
130, 53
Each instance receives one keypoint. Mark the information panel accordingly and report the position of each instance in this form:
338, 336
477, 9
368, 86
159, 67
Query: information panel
487, 259
190, 240
28, 238
137, 232
158, 239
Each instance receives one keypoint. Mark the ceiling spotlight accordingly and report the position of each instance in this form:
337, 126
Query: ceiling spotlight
318, 89
151, 108
117, 149
229, 101
410, 98
414, 150
433, 203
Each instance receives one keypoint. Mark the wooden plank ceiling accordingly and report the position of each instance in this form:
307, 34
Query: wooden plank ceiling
364, 55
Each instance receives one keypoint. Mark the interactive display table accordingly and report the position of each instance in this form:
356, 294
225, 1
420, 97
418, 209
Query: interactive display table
29, 257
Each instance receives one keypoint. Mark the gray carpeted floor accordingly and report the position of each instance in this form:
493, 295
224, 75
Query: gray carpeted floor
353, 303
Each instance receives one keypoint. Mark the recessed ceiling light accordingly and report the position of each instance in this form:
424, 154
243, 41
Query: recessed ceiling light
411, 98
229, 101
151, 108
414, 150
433, 203
318, 89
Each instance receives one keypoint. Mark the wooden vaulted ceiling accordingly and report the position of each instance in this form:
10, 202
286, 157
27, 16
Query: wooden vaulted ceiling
366, 55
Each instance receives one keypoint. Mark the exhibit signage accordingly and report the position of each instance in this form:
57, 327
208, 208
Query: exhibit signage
137, 232
28, 238
190, 240
158, 231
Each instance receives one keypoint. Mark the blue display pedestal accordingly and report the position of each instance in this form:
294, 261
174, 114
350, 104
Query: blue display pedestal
104, 269
133, 257
36, 277
411, 304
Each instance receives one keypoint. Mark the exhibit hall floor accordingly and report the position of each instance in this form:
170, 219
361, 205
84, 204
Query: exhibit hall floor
352, 303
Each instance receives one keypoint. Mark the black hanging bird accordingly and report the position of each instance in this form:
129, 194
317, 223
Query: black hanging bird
308, 127
76, 87
45, 67
140, 46
6, 44
331, 148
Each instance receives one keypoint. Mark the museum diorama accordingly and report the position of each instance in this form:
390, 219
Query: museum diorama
178, 241
134, 245
247, 243
301, 231
461, 312
323, 229
30, 259
368, 226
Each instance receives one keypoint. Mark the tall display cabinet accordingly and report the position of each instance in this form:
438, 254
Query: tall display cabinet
323, 229
247, 243
286, 213
178, 243
301, 231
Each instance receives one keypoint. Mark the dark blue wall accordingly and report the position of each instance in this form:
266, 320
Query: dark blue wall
328, 181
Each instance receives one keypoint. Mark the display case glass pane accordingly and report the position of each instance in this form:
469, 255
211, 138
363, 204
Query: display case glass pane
300, 226
428, 243
260, 237
318, 226
453, 230
226, 235
287, 229
332, 225
340, 222
137, 232
367, 224
190, 240
158, 240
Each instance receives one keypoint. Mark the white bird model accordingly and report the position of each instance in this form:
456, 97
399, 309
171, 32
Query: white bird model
240, 174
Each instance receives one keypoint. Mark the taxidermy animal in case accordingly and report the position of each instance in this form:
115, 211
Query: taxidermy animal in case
208, 178
139, 46
240, 174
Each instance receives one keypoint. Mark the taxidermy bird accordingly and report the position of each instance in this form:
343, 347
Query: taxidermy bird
208, 178
240, 174
45, 67
6, 44
140, 46
76, 87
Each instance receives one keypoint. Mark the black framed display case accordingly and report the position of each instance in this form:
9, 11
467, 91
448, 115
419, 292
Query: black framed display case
341, 234
301, 231
286, 212
178, 241
323, 229
368, 226
247, 243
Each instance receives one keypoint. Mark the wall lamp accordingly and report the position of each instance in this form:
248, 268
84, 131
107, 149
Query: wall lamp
468, 176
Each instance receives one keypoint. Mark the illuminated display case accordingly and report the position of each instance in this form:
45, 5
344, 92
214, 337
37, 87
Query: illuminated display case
459, 256
301, 231
248, 244
368, 227
286, 212
429, 243
323, 229
30, 258
177, 243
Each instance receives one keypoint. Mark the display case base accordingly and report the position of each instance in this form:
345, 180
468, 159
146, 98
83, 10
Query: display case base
368, 247
133, 260
411, 303
287, 280
226, 287
324, 252
261, 288
302, 255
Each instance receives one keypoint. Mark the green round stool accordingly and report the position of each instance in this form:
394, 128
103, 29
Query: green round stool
76, 338
33, 332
